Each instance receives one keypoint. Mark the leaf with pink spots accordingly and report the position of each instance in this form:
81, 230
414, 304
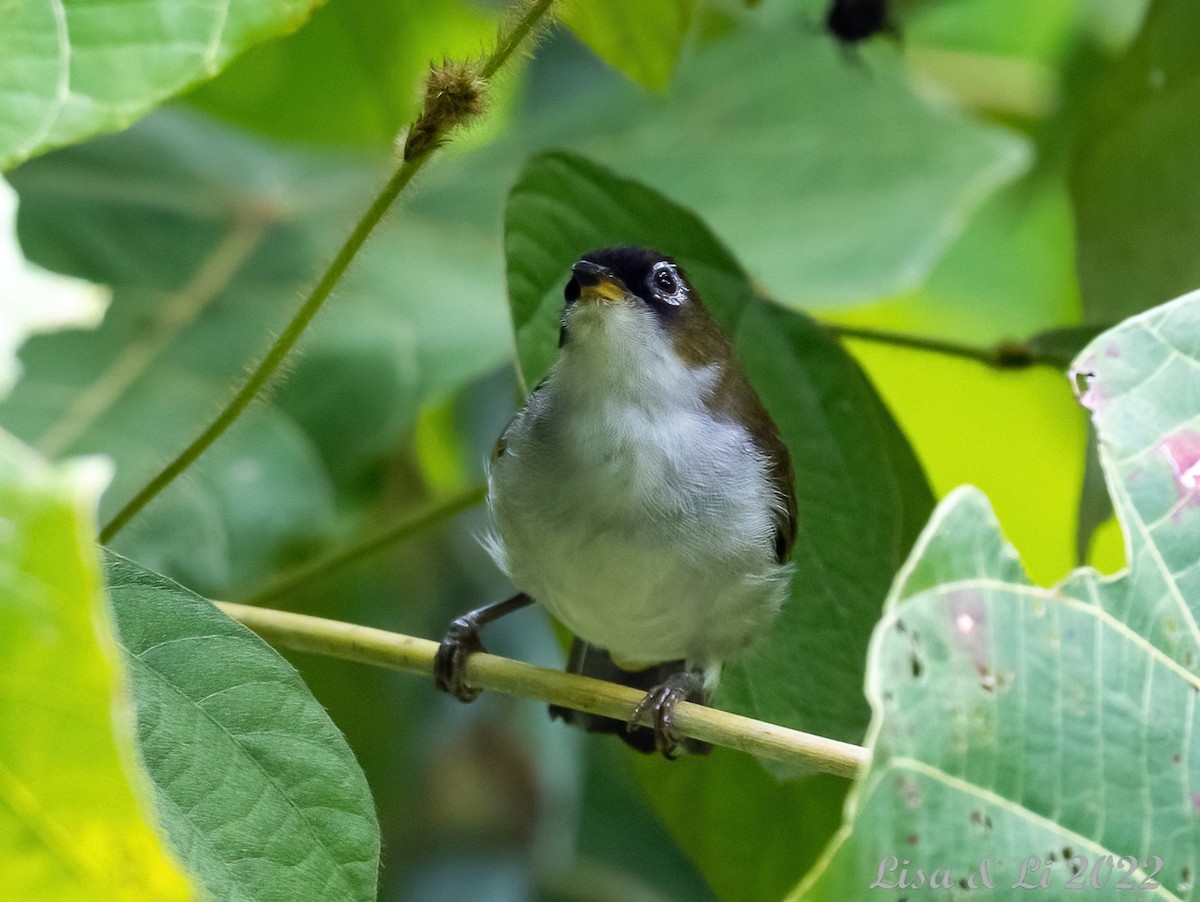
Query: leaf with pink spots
1027, 737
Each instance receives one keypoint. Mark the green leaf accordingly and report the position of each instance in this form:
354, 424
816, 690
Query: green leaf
861, 493
370, 60
1024, 726
72, 69
256, 787
1135, 203
642, 40
73, 823
209, 239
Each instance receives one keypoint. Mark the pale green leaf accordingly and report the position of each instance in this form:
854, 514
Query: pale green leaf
69, 68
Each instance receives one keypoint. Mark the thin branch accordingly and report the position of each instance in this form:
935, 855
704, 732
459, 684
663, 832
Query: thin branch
1006, 355
344, 557
452, 113
399, 652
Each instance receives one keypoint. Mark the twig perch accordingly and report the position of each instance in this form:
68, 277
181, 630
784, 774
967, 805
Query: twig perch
399, 652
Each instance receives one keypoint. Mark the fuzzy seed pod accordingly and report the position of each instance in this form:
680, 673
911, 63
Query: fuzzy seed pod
455, 93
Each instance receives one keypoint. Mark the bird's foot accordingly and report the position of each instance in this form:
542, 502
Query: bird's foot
450, 663
462, 640
659, 704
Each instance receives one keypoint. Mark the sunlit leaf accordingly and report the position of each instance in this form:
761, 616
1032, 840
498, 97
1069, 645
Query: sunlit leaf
1017, 434
74, 809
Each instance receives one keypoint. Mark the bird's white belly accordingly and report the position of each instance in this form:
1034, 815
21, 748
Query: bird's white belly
647, 533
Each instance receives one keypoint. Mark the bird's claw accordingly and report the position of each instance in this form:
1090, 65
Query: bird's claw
658, 705
450, 663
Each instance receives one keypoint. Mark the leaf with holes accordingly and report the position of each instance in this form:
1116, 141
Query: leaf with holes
69, 69
1048, 733
257, 789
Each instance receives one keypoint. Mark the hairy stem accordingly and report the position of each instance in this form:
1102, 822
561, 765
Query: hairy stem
510, 39
525, 26
399, 652
351, 554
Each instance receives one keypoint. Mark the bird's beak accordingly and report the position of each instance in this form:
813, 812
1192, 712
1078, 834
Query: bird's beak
598, 284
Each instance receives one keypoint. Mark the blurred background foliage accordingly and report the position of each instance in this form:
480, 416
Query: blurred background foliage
994, 169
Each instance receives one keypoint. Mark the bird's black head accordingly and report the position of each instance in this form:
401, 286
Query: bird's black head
637, 276
643, 273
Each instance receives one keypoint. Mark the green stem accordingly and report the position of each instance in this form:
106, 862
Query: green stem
400, 531
262, 374
399, 652
283, 345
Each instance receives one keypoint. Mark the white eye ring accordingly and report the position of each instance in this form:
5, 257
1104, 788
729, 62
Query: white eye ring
666, 283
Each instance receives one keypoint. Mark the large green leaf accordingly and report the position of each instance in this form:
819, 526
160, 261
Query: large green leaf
1136, 171
71, 68
256, 787
73, 806
1027, 727
208, 239
861, 494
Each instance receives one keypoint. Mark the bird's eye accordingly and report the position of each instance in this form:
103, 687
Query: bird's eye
664, 281
571, 291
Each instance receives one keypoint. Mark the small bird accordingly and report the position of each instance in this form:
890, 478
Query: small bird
642, 495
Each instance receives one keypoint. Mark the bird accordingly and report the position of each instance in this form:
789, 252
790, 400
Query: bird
642, 495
